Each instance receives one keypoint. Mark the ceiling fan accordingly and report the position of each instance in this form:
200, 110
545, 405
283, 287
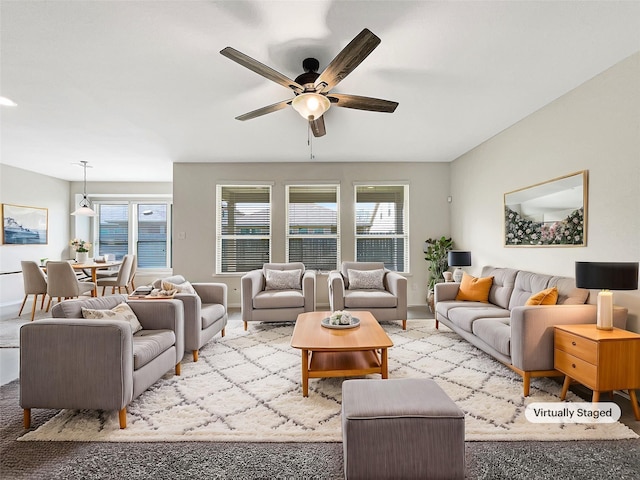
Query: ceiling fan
312, 89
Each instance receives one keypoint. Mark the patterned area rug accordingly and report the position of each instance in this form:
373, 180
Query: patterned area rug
246, 387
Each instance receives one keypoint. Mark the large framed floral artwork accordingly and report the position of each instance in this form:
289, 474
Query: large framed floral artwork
24, 225
548, 214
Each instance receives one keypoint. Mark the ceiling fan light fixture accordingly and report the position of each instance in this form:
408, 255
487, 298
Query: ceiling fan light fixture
311, 105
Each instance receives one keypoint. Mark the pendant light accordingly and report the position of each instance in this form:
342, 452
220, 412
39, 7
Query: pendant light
84, 210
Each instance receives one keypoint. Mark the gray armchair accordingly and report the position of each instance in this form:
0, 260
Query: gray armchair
205, 313
386, 301
260, 303
76, 363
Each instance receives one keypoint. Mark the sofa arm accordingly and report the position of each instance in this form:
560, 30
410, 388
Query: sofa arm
336, 291
162, 315
443, 292
309, 290
76, 363
212, 293
532, 331
397, 285
251, 284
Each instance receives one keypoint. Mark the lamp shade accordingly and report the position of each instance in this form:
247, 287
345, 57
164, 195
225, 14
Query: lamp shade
311, 105
459, 258
607, 275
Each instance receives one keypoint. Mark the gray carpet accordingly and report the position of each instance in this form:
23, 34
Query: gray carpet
582, 460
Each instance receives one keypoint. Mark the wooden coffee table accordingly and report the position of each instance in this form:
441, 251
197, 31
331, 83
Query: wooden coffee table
348, 352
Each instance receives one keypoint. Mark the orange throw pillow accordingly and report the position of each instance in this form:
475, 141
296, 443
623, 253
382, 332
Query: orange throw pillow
474, 289
548, 296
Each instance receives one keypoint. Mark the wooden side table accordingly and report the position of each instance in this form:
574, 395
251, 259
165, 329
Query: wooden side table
602, 360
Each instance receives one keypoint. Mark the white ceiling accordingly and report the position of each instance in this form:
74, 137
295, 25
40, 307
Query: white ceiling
133, 86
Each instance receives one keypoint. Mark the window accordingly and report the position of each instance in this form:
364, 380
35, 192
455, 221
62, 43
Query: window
133, 227
152, 235
113, 229
313, 234
243, 227
381, 225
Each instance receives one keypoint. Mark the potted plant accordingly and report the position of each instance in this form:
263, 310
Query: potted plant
435, 253
82, 250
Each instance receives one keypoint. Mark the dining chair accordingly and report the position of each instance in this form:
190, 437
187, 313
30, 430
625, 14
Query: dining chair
122, 280
134, 268
62, 282
35, 283
111, 271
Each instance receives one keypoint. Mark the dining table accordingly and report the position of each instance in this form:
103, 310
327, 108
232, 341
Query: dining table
93, 267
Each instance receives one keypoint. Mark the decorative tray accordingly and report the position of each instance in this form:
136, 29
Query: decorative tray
355, 322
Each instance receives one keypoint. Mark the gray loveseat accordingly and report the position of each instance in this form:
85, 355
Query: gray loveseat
77, 363
519, 336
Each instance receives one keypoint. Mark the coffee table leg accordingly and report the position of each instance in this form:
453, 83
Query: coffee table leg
305, 373
383, 363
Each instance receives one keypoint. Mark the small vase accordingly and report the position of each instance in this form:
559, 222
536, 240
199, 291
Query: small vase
448, 276
82, 257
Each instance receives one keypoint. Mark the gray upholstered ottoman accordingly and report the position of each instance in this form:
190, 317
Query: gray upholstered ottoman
400, 428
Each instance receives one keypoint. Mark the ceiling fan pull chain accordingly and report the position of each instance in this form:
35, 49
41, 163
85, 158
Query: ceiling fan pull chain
310, 141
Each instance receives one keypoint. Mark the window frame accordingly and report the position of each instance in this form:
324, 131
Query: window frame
405, 222
289, 235
220, 236
133, 225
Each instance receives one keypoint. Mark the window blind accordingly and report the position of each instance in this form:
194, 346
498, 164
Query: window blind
313, 226
381, 225
243, 228
113, 230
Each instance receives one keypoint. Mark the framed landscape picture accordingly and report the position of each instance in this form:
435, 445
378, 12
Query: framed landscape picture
24, 225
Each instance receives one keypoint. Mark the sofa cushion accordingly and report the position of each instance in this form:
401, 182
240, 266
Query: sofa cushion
346, 266
148, 344
465, 315
504, 280
366, 279
495, 332
548, 296
119, 312
283, 279
474, 289
279, 299
177, 279
568, 293
211, 313
366, 299
527, 283
184, 287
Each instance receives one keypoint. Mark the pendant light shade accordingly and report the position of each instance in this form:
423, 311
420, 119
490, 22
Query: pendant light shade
311, 106
84, 210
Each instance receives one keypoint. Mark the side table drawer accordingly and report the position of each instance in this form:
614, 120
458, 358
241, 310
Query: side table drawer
581, 371
577, 346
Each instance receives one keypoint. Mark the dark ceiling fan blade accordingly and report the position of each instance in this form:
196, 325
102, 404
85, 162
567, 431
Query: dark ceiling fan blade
347, 60
362, 103
317, 127
264, 110
261, 69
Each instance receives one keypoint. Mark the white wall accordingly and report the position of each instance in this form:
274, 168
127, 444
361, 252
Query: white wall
21, 187
194, 194
595, 127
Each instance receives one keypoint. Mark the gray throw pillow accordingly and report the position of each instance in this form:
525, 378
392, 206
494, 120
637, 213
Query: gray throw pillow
366, 279
283, 279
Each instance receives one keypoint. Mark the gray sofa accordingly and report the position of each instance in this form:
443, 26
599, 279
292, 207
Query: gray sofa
519, 336
385, 304
77, 363
205, 314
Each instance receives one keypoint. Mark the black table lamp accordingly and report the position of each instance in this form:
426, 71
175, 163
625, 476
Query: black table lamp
458, 258
606, 276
